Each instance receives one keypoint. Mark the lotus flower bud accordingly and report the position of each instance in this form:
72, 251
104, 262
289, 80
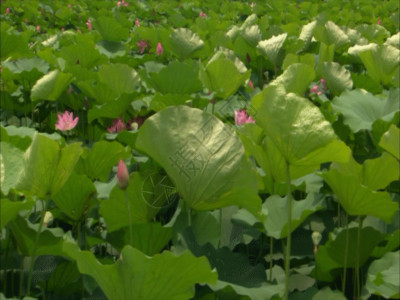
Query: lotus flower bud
122, 175
48, 218
316, 237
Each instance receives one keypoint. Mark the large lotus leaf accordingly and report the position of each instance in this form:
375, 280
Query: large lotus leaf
292, 58
383, 276
231, 267
326, 52
336, 77
13, 45
29, 69
273, 48
149, 238
46, 167
177, 78
75, 195
381, 61
223, 77
390, 141
102, 157
111, 29
296, 78
276, 221
101, 92
358, 199
378, 173
115, 212
10, 209
202, 156
50, 86
307, 33
20, 137
11, 159
373, 32
297, 128
270, 159
160, 101
331, 256
394, 40
111, 109
111, 49
50, 240
137, 276
83, 52
361, 109
119, 77
251, 35
331, 34
231, 55
227, 290
184, 42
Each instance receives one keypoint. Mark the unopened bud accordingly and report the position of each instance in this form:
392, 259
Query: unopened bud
48, 218
316, 237
122, 175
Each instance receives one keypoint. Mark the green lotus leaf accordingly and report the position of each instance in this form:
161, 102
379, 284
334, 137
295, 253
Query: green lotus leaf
177, 78
184, 42
330, 257
119, 77
331, 34
11, 209
197, 148
46, 166
358, 199
296, 78
50, 86
390, 141
102, 157
74, 197
273, 48
223, 77
381, 61
276, 221
297, 128
361, 109
383, 276
114, 210
11, 159
111, 29
136, 275
336, 77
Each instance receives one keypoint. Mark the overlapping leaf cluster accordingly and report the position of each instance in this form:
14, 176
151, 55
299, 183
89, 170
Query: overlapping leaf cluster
208, 198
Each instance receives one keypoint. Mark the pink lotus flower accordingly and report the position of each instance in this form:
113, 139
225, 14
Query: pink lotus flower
379, 22
69, 6
315, 89
62, 29
38, 28
137, 23
142, 46
117, 126
241, 117
202, 14
119, 3
26, 20
251, 84
122, 175
7, 10
323, 81
160, 49
66, 121
89, 24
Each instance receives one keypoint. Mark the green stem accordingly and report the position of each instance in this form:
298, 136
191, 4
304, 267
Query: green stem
6, 262
220, 226
35, 247
339, 216
358, 256
271, 252
289, 228
129, 218
190, 216
345, 257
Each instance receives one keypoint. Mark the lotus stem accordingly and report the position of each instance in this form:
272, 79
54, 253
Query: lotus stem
289, 230
345, 256
129, 218
35, 247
